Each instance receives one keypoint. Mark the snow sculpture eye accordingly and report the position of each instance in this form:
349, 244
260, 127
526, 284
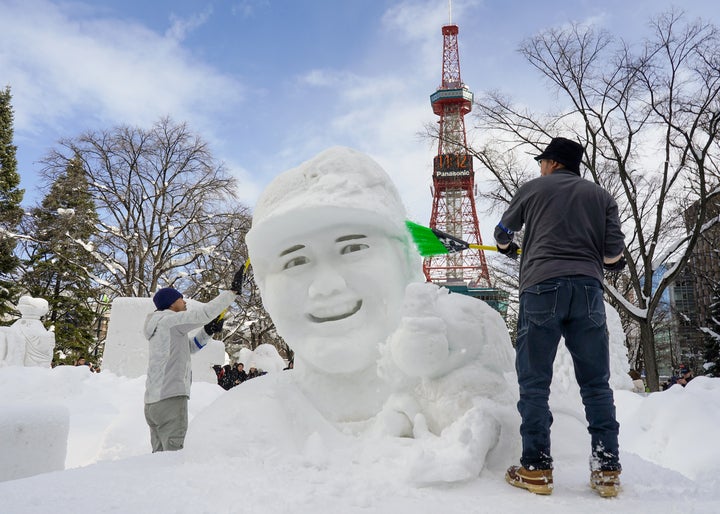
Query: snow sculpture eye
296, 261
355, 247
352, 245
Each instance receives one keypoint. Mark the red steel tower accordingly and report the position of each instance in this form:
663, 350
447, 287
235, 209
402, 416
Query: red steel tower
453, 208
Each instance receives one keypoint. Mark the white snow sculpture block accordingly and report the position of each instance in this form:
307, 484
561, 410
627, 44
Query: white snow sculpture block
33, 439
126, 349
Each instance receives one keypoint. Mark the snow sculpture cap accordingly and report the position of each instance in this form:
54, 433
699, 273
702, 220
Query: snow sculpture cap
337, 177
339, 185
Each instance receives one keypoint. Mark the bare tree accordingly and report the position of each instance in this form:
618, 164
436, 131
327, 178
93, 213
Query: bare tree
249, 325
153, 189
167, 217
650, 120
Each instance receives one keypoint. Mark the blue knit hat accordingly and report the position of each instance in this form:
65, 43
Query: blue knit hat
165, 297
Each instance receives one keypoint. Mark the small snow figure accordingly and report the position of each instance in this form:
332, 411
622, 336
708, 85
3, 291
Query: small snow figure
27, 342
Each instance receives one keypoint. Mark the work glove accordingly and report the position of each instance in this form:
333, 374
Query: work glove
214, 326
616, 266
237, 281
511, 250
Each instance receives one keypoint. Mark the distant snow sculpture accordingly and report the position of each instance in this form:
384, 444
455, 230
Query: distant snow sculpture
266, 358
27, 342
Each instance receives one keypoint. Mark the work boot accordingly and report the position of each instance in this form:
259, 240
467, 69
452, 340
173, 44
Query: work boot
605, 483
538, 481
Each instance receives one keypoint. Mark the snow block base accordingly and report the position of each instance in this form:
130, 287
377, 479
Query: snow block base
33, 439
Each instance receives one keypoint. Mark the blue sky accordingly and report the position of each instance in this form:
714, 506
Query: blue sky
271, 83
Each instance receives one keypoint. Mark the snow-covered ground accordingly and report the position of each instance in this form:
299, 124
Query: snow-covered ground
670, 454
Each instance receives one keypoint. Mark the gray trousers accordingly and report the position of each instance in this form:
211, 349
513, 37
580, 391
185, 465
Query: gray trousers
168, 422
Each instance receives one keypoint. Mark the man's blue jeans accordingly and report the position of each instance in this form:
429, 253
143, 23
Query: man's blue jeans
571, 307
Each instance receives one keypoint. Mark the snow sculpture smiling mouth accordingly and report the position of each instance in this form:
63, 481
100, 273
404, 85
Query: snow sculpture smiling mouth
329, 316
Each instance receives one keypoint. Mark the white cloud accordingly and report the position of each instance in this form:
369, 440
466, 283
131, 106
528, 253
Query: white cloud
248, 8
415, 21
63, 67
181, 26
324, 78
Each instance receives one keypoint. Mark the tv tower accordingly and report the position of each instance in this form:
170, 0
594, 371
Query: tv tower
453, 208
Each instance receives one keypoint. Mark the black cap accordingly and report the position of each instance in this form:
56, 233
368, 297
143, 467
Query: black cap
565, 151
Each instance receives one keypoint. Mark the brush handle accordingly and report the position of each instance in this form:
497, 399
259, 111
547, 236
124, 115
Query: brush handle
488, 247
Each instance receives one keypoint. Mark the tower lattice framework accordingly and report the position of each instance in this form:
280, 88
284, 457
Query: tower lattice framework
453, 208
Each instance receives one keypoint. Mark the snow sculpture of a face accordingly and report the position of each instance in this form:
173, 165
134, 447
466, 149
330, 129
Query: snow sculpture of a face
332, 258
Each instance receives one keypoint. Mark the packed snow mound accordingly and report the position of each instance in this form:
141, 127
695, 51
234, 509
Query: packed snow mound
662, 435
106, 420
33, 438
675, 428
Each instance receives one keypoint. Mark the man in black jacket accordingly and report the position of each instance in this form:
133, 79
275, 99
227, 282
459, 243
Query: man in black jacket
572, 232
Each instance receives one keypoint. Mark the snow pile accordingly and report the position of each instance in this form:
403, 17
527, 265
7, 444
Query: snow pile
106, 419
676, 428
292, 460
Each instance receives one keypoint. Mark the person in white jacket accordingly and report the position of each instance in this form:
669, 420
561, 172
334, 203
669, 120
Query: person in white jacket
167, 388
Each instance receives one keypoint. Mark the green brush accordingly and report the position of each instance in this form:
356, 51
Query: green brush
431, 241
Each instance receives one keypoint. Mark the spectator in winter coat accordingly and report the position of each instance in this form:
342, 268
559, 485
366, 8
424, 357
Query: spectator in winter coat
254, 373
240, 374
167, 388
684, 375
572, 231
228, 377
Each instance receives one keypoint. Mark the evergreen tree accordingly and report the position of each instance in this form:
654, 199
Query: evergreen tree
60, 264
10, 210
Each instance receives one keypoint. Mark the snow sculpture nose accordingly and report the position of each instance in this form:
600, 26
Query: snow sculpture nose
326, 283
